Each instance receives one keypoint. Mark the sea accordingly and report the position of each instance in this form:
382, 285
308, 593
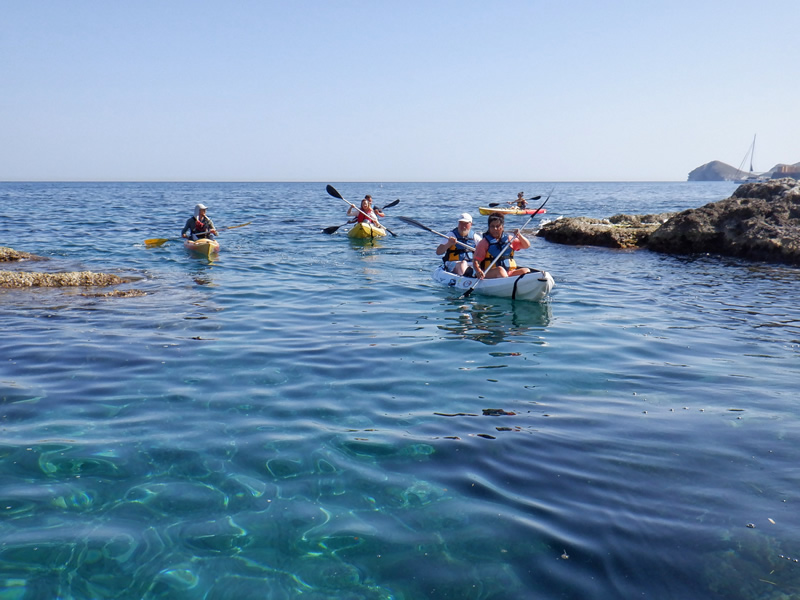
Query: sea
310, 416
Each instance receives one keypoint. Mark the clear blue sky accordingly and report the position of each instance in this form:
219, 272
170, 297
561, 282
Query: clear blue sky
394, 90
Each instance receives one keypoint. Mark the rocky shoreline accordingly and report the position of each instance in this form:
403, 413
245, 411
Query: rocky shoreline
23, 279
760, 221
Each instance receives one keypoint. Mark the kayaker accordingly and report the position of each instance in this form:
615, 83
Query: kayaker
492, 244
521, 202
453, 252
367, 212
199, 226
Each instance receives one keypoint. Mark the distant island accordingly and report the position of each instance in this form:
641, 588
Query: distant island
720, 171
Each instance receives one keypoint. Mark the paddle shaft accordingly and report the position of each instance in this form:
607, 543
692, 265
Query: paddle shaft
160, 241
332, 191
426, 228
493, 204
506, 247
331, 230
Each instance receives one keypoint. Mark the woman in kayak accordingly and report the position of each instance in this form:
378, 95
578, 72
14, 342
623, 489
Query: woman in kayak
492, 245
456, 248
521, 202
199, 226
367, 212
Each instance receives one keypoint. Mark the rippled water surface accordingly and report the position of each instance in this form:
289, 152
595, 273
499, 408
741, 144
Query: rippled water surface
313, 417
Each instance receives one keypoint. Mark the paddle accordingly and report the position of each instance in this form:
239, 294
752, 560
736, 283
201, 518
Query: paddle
426, 228
506, 247
155, 242
330, 230
493, 204
332, 191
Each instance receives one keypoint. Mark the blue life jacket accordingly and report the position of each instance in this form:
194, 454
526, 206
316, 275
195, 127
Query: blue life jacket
495, 247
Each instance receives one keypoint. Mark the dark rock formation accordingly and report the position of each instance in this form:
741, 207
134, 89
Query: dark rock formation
760, 221
620, 231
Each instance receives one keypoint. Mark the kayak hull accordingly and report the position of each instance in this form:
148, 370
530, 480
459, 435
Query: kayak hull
366, 230
204, 246
533, 286
511, 211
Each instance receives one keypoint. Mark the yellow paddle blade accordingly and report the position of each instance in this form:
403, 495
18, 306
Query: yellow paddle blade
235, 226
154, 242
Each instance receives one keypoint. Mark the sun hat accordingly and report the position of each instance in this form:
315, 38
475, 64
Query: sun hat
465, 217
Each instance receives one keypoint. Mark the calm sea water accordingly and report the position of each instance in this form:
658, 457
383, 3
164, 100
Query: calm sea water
304, 417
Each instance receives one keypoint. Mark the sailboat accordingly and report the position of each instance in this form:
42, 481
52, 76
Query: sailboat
752, 177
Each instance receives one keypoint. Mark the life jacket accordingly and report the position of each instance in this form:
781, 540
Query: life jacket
200, 227
371, 217
457, 253
495, 248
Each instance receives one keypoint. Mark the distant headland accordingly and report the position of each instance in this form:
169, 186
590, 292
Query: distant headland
720, 171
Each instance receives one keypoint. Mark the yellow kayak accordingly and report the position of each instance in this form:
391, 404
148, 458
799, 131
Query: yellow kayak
511, 211
203, 246
366, 230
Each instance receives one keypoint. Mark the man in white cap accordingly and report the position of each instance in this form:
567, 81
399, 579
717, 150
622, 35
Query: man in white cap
199, 226
456, 251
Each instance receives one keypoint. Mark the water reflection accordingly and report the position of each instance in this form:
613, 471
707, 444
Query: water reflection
493, 323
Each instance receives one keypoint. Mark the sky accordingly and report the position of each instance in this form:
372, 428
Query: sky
394, 90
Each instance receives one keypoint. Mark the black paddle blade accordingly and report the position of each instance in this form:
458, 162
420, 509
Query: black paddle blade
332, 191
330, 230
391, 204
411, 221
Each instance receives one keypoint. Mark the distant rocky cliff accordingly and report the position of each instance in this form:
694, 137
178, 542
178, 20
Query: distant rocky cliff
760, 221
720, 171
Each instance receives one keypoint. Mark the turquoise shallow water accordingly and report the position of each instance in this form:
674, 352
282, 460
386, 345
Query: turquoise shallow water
304, 417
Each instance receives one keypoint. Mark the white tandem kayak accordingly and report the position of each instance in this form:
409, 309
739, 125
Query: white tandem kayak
531, 286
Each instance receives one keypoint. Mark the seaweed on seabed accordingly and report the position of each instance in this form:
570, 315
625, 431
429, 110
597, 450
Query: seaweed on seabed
754, 567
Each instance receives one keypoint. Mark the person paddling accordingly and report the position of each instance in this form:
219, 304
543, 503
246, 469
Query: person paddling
455, 250
521, 202
199, 226
493, 244
367, 212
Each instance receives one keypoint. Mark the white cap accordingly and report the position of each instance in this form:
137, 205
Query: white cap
201, 207
465, 217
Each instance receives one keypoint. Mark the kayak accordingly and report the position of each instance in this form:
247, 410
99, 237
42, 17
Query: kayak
366, 230
511, 211
203, 246
530, 286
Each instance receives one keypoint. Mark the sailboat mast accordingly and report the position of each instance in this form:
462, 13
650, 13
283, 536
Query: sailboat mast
752, 152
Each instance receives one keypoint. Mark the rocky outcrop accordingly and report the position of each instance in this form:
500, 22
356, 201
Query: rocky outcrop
18, 279
11, 255
760, 221
619, 231
21, 279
